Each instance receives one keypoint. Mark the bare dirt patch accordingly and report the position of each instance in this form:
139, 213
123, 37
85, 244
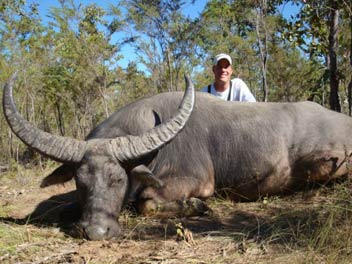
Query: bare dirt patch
308, 227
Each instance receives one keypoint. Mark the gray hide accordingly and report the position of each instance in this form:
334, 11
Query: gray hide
248, 149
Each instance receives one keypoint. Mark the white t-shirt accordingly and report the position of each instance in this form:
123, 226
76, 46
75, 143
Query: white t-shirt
239, 92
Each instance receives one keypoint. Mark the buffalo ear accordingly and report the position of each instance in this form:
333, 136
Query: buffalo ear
145, 177
62, 174
140, 178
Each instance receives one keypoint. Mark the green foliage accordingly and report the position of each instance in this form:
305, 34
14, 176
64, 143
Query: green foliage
165, 40
70, 78
248, 32
131, 86
64, 69
315, 30
293, 78
309, 30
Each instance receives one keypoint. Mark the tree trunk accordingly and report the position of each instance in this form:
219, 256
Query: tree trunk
262, 44
333, 44
350, 83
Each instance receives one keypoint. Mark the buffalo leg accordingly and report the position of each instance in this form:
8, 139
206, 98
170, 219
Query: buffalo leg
185, 207
324, 166
176, 197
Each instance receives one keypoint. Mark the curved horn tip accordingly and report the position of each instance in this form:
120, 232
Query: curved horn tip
13, 78
8, 89
187, 79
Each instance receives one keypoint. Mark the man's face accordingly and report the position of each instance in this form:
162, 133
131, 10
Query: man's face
222, 71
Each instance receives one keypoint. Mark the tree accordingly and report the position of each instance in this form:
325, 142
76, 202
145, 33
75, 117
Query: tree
350, 82
315, 30
78, 76
164, 39
132, 84
246, 30
64, 68
346, 46
291, 77
332, 62
21, 46
262, 41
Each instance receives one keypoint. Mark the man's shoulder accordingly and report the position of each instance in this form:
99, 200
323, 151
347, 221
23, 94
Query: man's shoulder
237, 80
238, 83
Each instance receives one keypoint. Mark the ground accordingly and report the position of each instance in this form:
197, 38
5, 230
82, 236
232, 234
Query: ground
311, 226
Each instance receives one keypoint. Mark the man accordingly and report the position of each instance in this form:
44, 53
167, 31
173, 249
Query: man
225, 88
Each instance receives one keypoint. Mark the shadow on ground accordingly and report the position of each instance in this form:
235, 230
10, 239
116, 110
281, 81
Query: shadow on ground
277, 225
240, 226
50, 213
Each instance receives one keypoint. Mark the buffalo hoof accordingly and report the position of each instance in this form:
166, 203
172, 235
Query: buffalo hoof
148, 207
186, 207
195, 207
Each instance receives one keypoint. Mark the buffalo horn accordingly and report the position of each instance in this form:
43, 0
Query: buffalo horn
134, 147
59, 148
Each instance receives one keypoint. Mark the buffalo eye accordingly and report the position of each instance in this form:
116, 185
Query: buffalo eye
112, 175
114, 181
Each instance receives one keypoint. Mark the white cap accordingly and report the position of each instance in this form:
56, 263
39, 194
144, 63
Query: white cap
222, 56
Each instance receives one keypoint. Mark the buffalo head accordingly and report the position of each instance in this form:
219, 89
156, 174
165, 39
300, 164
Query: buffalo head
97, 165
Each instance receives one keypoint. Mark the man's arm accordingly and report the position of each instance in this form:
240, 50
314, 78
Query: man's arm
245, 94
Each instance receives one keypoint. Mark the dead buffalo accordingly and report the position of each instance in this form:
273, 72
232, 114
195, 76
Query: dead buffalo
143, 152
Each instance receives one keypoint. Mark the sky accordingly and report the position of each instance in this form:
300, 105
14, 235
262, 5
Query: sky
191, 10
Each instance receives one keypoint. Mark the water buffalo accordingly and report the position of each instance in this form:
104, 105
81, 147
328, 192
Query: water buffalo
144, 152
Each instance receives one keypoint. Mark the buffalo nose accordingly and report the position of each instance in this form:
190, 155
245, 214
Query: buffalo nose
98, 232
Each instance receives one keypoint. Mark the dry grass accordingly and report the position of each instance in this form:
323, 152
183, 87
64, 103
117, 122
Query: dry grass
309, 227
